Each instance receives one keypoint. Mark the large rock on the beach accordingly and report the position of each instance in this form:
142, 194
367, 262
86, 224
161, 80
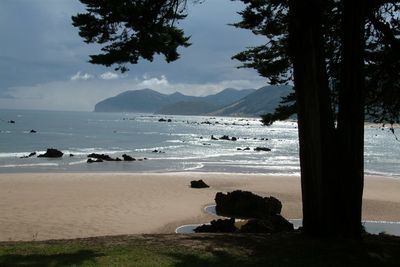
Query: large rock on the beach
51, 153
101, 156
244, 204
272, 224
198, 184
128, 158
218, 226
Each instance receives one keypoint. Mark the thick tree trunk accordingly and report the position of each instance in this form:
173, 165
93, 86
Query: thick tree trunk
315, 117
351, 117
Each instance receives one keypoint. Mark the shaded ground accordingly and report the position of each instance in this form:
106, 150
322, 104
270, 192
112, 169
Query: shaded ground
204, 250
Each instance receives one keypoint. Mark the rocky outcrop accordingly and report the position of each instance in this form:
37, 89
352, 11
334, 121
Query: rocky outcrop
127, 158
243, 204
51, 153
103, 157
198, 184
218, 226
273, 224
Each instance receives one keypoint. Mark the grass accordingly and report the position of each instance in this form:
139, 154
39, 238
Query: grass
204, 250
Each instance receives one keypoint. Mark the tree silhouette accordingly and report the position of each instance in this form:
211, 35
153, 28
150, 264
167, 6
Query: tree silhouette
342, 56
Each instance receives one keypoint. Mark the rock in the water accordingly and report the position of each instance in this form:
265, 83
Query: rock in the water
198, 184
71, 155
262, 149
233, 138
128, 158
213, 138
218, 226
32, 154
247, 148
33, 131
118, 159
11, 121
224, 137
239, 148
101, 156
169, 120
244, 204
93, 161
272, 224
162, 120
51, 153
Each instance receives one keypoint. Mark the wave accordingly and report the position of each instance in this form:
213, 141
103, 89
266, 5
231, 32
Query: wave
29, 165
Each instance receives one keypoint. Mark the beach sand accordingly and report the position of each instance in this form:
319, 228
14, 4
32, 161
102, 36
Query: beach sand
40, 206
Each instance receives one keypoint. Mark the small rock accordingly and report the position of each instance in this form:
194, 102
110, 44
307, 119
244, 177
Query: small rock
262, 149
128, 158
213, 138
11, 121
233, 138
51, 153
198, 184
33, 131
162, 120
93, 161
224, 137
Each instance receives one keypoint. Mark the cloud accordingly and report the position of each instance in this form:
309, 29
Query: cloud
156, 83
81, 76
110, 75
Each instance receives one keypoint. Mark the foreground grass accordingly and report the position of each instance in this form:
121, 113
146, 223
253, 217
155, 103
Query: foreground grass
204, 250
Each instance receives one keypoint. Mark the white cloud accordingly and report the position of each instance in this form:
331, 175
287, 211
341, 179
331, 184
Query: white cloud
155, 83
81, 76
110, 75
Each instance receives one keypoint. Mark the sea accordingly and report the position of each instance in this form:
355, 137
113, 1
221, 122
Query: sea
178, 144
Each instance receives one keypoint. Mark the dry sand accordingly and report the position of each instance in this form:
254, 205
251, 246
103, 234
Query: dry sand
43, 206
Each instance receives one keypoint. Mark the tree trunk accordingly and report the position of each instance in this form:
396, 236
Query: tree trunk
315, 117
351, 117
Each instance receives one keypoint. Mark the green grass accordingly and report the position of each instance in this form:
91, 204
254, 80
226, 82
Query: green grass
204, 250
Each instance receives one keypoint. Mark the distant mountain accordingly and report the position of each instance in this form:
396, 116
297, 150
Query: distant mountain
145, 100
150, 101
188, 108
262, 101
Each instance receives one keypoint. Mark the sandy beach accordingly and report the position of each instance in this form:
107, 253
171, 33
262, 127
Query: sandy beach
40, 206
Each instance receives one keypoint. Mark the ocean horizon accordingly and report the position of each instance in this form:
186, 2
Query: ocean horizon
178, 144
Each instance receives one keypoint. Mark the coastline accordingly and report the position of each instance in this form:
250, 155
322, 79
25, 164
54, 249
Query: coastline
41, 206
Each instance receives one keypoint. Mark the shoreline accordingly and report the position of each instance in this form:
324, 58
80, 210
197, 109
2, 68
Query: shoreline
42, 206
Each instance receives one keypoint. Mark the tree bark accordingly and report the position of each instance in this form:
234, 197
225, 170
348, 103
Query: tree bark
351, 117
315, 117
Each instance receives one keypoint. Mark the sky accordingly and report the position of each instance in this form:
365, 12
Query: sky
44, 63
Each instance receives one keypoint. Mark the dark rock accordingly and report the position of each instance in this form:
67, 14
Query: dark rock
101, 156
218, 226
272, 224
71, 155
233, 138
51, 153
155, 151
145, 158
128, 158
162, 120
32, 131
32, 154
11, 121
198, 184
262, 149
118, 159
247, 148
224, 137
244, 204
239, 148
213, 138
169, 120
93, 161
